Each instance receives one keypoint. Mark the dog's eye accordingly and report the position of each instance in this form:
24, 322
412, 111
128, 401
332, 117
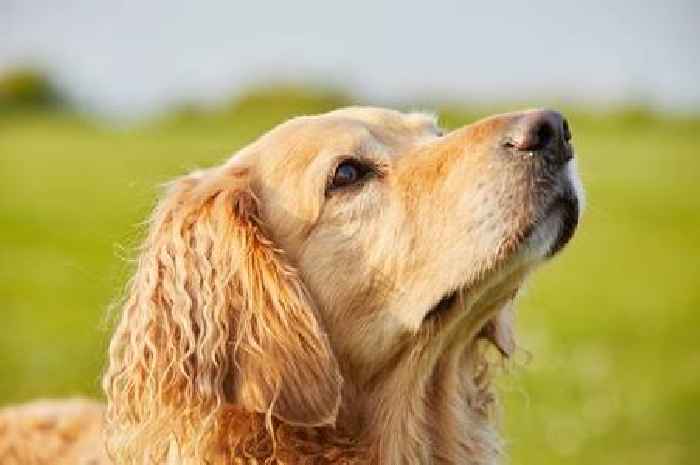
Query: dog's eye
349, 172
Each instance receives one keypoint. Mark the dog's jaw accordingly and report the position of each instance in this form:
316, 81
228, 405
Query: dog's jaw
458, 320
544, 237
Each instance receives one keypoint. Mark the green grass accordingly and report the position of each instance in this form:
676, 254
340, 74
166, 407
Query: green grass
611, 325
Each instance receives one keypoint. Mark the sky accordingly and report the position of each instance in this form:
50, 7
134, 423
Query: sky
139, 57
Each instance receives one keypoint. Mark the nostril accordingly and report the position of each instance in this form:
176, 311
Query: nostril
544, 135
538, 130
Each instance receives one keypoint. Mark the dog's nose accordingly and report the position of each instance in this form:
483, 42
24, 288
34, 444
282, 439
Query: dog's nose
543, 131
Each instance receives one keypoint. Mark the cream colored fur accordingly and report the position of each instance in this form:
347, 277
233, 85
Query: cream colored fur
271, 320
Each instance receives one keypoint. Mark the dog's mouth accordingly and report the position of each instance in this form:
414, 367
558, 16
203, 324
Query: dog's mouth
542, 239
443, 305
569, 207
562, 216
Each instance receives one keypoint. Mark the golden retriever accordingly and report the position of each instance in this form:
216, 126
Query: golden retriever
332, 292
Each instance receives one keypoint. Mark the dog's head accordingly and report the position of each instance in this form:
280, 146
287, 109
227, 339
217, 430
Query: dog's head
307, 268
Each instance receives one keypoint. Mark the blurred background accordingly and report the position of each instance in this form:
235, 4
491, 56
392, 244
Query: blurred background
103, 101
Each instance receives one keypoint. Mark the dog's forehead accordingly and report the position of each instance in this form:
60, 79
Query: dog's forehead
354, 123
389, 119
370, 131
353, 128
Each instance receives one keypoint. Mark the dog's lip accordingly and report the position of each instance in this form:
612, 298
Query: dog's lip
473, 294
443, 305
566, 206
569, 207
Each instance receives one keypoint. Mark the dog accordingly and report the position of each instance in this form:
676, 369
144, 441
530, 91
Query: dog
337, 292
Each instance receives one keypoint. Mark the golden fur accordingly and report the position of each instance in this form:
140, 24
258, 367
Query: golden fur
67, 432
272, 320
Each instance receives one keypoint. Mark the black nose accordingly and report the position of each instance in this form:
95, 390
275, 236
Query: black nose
543, 131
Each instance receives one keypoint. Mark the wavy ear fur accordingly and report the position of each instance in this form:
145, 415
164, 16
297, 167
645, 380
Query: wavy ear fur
214, 316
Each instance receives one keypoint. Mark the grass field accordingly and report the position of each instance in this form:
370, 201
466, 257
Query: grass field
612, 326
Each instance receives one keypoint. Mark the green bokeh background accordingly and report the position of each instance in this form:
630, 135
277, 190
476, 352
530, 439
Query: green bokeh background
611, 326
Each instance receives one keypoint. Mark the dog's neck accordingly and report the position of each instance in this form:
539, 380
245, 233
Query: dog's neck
435, 406
440, 414
439, 418
431, 406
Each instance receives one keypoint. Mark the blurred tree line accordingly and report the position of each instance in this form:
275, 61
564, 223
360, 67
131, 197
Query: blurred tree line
26, 88
31, 89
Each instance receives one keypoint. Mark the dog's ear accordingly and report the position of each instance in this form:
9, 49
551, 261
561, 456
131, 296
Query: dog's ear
215, 315
500, 331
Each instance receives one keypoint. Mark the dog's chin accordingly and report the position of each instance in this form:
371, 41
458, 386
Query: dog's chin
548, 235
545, 237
